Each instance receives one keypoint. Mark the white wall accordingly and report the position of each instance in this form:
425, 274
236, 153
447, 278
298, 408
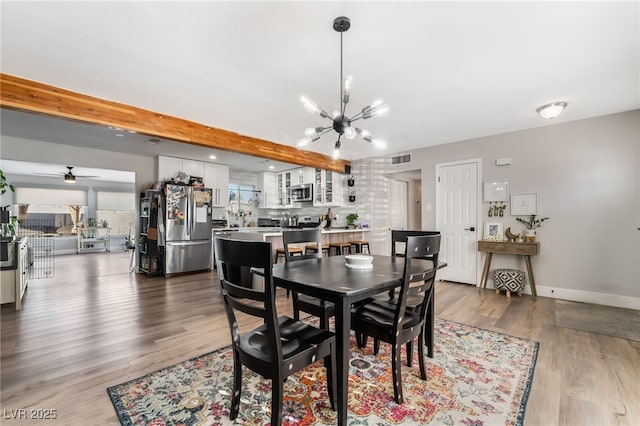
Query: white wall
586, 174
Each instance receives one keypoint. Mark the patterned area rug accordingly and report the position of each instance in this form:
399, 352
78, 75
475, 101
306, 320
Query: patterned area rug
477, 377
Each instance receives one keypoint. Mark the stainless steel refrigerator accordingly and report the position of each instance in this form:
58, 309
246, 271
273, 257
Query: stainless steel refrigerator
187, 228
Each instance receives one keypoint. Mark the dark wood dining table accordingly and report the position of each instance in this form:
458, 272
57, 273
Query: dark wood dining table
329, 279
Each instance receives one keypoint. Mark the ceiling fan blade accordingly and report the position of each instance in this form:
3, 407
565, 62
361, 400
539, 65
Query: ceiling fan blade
49, 174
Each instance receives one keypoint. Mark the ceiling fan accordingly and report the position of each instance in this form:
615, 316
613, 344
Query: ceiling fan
69, 177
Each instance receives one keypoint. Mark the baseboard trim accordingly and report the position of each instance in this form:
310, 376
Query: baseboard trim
615, 300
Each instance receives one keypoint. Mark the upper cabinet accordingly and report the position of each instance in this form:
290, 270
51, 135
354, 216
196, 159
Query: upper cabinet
215, 176
283, 184
328, 188
268, 190
302, 175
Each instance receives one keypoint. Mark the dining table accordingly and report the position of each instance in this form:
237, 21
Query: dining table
329, 278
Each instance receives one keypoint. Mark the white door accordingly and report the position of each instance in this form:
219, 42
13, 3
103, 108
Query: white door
398, 203
457, 216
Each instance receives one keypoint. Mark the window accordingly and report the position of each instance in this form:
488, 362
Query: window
117, 210
242, 198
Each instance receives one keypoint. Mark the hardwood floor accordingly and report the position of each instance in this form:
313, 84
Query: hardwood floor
96, 324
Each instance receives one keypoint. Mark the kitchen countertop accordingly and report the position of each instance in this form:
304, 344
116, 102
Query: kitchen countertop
277, 232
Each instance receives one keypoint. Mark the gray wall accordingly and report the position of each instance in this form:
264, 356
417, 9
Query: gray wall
586, 174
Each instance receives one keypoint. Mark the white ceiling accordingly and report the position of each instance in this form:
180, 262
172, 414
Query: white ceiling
449, 70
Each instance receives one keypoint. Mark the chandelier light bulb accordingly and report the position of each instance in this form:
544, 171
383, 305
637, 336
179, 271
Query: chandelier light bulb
336, 150
381, 111
379, 143
349, 133
304, 141
348, 84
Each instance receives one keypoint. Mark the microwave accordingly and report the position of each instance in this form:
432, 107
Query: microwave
301, 192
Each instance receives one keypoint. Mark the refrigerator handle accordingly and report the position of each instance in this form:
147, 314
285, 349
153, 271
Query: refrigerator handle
192, 220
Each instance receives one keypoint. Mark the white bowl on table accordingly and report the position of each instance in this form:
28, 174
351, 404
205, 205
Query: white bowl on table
359, 261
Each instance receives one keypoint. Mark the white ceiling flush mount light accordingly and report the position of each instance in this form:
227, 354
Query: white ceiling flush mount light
341, 123
551, 110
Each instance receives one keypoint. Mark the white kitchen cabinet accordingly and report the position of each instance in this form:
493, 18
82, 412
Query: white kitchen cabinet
328, 189
168, 167
283, 183
302, 175
216, 177
193, 168
14, 282
268, 190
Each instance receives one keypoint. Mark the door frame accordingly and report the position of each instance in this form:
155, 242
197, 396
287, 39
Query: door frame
478, 162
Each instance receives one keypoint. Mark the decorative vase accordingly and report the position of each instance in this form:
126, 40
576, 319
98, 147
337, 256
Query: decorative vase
530, 235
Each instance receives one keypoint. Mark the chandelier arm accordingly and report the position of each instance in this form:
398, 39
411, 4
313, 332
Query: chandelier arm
356, 117
341, 82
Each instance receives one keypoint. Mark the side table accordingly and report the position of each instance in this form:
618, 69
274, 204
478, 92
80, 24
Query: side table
509, 247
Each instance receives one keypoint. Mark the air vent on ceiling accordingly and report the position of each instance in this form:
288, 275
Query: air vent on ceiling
401, 159
152, 141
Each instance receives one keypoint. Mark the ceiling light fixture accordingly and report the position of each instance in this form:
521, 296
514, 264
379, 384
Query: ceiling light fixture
212, 157
342, 123
69, 177
551, 110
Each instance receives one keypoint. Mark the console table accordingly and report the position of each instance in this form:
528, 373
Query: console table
508, 247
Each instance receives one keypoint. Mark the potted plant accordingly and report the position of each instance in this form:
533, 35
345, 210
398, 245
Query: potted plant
351, 218
531, 223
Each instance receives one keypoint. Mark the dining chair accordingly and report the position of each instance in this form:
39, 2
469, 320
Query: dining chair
281, 346
400, 237
393, 321
301, 302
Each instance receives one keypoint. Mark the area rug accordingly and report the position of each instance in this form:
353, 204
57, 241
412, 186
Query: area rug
477, 377
599, 319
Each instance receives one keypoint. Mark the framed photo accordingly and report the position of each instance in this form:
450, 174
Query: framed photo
496, 191
493, 231
524, 204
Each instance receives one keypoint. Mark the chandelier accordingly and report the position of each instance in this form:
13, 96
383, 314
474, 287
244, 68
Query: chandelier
340, 122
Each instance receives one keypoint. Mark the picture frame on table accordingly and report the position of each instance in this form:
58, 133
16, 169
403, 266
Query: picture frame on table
524, 204
496, 191
493, 231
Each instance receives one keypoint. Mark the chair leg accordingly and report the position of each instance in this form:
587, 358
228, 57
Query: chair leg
429, 324
409, 347
237, 385
296, 310
361, 340
324, 322
376, 346
396, 366
423, 369
276, 401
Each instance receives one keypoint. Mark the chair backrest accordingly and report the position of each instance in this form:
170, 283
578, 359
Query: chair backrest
400, 236
417, 282
233, 256
302, 236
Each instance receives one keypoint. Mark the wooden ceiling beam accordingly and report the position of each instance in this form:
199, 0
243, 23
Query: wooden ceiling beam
27, 95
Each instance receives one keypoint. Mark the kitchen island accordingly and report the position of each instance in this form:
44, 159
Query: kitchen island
274, 235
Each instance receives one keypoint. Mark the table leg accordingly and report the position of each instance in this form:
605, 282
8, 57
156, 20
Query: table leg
532, 281
343, 330
485, 270
430, 321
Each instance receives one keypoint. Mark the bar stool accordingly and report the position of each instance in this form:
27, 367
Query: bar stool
293, 251
360, 246
312, 248
341, 248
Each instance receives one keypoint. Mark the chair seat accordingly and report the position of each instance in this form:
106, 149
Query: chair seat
379, 312
296, 337
291, 250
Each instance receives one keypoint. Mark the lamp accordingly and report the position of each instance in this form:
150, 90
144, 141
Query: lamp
69, 176
340, 122
551, 110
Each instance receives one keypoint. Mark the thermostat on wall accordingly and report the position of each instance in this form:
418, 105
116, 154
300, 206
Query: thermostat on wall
503, 161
